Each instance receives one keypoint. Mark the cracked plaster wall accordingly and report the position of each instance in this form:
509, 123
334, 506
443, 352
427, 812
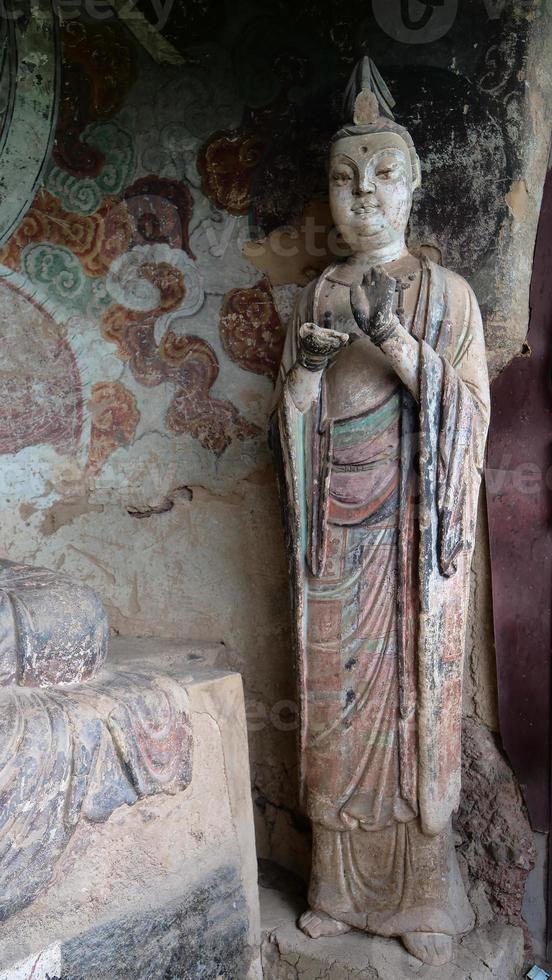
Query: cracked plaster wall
139, 344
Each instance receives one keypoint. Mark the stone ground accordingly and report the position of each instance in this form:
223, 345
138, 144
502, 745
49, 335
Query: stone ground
492, 953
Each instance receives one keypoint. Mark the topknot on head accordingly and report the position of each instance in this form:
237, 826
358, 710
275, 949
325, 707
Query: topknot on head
366, 97
366, 109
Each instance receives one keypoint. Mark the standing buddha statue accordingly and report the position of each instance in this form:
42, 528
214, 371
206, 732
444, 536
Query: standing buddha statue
379, 426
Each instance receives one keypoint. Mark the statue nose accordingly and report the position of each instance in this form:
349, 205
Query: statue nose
366, 186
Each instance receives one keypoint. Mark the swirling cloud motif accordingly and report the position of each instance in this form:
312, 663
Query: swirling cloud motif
185, 361
85, 194
138, 280
59, 274
214, 422
96, 240
56, 268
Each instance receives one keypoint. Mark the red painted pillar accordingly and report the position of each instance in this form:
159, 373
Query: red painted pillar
519, 498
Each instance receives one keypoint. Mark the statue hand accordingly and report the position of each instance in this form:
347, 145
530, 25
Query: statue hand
317, 345
372, 305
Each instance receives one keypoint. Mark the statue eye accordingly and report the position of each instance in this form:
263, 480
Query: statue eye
342, 176
386, 172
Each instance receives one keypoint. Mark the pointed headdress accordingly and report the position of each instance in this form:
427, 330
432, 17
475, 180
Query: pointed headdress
368, 108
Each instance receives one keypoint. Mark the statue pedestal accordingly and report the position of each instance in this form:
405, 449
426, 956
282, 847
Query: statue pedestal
495, 953
166, 885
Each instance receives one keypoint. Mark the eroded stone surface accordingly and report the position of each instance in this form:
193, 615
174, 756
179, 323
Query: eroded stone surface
44, 966
497, 841
53, 630
201, 935
74, 755
166, 887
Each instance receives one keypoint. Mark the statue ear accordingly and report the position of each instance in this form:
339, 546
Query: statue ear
416, 171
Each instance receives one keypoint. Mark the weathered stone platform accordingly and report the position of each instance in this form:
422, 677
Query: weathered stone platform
495, 953
166, 888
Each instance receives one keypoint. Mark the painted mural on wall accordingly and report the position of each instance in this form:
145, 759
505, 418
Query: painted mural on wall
152, 179
106, 241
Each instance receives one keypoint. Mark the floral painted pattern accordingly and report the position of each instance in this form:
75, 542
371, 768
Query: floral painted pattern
115, 416
251, 331
227, 164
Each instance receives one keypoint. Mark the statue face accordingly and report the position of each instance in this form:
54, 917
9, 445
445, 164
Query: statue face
370, 189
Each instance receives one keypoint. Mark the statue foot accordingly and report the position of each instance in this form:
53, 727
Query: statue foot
317, 924
433, 948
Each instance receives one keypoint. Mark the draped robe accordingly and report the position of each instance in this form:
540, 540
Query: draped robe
380, 520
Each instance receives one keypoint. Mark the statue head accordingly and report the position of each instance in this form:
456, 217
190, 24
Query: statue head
374, 167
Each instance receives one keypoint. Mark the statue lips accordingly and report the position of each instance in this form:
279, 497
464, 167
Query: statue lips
369, 216
365, 208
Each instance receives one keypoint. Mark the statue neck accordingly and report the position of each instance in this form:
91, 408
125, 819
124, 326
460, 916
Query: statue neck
380, 255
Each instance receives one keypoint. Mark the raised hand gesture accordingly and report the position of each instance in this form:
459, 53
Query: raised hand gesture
372, 305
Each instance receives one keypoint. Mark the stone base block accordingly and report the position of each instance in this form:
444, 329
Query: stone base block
165, 889
495, 953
